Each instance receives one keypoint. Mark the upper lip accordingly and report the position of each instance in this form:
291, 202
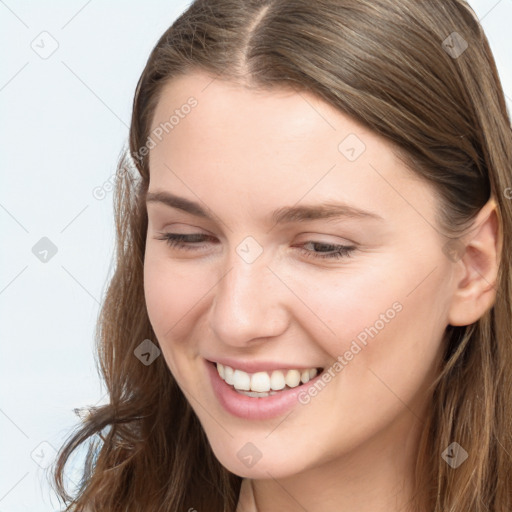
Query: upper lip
258, 366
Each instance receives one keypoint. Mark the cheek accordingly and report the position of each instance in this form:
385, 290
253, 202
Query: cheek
389, 343
170, 294
343, 305
175, 296
378, 319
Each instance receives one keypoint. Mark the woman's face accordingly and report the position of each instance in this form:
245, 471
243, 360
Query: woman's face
268, 188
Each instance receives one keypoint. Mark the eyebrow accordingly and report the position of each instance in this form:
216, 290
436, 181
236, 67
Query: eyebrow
284, 215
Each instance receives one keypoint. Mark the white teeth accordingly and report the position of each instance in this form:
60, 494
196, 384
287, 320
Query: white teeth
241, 380
277, 380
228, 375
292, 378
304, 376
264, 383
260, 382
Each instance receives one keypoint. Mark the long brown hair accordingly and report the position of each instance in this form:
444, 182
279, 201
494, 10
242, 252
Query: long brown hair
419, 73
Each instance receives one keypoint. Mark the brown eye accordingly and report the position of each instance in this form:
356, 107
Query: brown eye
328, 250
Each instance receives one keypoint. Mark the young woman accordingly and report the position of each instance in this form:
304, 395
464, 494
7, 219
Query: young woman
311, 304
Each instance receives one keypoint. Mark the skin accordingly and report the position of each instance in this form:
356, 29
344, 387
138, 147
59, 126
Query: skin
242, 154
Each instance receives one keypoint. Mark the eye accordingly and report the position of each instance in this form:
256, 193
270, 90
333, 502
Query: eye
182, 241
333, 251
321, 250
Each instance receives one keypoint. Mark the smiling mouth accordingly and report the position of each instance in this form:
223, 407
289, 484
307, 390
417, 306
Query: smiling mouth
263, 384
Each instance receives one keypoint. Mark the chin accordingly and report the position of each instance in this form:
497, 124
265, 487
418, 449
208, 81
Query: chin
246, 460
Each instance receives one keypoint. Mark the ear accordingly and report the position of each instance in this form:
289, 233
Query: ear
478, 268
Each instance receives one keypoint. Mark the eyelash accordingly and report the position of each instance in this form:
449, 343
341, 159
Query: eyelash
182, 241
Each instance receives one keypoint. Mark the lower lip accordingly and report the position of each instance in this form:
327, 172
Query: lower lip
257, 408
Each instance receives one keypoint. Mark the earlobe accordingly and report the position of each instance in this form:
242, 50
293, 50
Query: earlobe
475, 290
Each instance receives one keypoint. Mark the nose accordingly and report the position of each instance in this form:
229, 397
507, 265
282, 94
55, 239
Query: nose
249, 303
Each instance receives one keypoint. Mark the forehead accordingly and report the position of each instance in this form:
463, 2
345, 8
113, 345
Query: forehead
278, 117
221, 140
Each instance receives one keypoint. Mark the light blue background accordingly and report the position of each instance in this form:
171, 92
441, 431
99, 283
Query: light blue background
64, 120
